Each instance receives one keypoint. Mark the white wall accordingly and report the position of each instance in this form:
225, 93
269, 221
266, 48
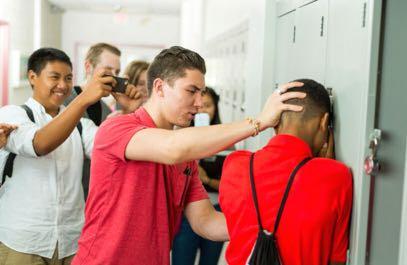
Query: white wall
257, 70
146, 33
22, 15
192, 24
221, 15
51, 24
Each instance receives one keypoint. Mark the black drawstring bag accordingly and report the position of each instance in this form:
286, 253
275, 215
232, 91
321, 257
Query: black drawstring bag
265, 251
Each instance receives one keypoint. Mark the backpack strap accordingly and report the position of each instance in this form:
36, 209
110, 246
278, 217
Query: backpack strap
8, 168
254, 193
94, 111
29, 112
79, 127
285, 196
287, 191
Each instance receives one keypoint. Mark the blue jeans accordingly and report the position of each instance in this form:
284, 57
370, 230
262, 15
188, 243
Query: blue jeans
187, 243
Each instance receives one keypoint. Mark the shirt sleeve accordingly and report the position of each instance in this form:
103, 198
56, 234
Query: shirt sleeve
341, 233
89, 130
20, 141
196, 191
114, 135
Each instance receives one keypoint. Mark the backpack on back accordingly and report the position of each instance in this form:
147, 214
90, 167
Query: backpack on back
265, 250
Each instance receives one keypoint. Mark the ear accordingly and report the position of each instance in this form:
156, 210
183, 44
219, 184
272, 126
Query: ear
31, 77
158, 87
88, 68
323, 123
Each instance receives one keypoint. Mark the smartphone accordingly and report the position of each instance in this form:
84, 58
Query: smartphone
201, 119
121, 84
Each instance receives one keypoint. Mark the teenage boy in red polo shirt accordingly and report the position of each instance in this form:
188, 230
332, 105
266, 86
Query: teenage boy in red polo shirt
144, 174
313, 228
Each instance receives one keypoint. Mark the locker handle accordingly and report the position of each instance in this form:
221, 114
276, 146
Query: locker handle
322, 26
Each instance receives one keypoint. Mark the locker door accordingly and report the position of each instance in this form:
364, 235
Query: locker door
310, 42
387, 239
351, 70
284, 47
285, 6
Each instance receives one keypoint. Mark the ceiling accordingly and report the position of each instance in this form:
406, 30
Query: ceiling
128, 6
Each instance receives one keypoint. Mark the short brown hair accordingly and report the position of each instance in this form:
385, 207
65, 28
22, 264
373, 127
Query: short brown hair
171, 63
95, 50
134, 70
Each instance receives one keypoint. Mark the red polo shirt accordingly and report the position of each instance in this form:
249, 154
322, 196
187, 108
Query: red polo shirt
314, 226
133, 207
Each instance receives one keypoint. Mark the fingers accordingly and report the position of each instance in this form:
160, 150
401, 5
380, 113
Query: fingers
284, 87
109, 80
331, 145
7, 128
288, 107
133, 92
291, 95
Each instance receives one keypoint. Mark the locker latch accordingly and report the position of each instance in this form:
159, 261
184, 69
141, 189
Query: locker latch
372, 165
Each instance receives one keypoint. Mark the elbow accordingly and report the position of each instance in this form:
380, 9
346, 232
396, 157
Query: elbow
42, 150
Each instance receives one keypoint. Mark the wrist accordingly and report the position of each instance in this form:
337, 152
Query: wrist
209, 181
82, 101
256, 124
206, 180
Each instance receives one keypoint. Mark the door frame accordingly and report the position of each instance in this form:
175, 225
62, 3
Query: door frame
4, 61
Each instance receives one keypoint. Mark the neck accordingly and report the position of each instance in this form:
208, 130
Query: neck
301, 132
156, 114
48, 109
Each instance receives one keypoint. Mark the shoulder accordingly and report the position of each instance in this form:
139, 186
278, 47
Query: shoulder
13, 114
119, 128
236, 163
120, 121
11, 108
238, 156
333, 170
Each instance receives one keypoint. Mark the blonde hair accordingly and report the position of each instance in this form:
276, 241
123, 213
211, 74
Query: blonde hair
134, 70
96, 50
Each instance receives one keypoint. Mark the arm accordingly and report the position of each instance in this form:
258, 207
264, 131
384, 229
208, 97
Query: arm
177, 146
49, 137
206, 221
340, 238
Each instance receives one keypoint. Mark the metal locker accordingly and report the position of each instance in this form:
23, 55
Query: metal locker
284, 47
310, 38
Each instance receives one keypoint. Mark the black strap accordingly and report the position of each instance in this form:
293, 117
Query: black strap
285, 196
254, 193
94, 111
29, 112
8, 168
